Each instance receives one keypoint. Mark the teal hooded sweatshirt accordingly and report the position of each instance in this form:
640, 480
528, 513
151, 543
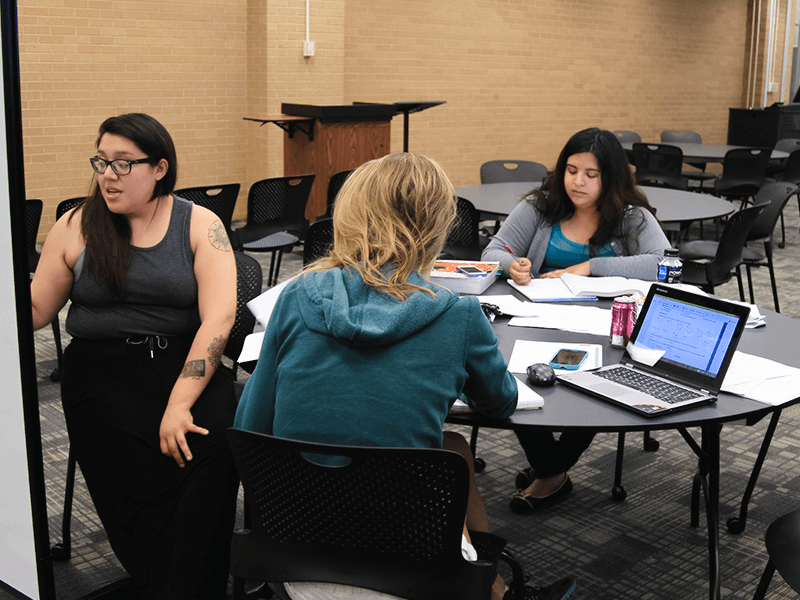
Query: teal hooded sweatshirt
343, 363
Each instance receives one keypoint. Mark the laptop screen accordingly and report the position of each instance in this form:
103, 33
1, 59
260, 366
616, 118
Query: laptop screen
697, 334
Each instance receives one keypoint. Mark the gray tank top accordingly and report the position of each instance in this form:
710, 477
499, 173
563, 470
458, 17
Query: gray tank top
160, 296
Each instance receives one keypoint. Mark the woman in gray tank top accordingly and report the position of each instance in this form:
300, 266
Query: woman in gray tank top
152, 284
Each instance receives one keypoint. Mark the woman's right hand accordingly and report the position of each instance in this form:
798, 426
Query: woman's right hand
520, 271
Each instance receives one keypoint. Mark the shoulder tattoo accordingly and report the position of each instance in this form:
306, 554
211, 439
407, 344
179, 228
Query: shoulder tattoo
194, 369
218, 236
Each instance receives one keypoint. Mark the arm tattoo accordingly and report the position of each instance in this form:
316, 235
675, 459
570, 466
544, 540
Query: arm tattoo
215, 351
218, 236
194, 369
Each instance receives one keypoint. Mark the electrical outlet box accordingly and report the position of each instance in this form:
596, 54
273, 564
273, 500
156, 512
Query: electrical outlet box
308, 48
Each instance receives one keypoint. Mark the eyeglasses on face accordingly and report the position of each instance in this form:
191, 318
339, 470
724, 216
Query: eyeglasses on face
119, 166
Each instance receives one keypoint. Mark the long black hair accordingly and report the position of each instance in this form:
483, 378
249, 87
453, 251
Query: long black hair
618, 188
108, 235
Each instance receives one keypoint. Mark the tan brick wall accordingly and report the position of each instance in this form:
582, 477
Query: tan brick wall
519, 76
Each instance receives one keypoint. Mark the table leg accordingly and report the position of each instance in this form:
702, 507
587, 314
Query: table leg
737, 524
707, 480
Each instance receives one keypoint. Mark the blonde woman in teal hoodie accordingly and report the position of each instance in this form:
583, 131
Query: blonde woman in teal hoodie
362, 349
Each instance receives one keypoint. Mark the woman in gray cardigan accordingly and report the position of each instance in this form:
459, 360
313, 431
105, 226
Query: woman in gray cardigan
588, 218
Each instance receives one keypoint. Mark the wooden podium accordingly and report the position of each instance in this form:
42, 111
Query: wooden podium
327, 139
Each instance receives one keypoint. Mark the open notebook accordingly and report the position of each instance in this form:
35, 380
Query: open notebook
678, 355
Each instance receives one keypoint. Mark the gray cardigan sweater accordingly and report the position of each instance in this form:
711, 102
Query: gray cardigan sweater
638, 248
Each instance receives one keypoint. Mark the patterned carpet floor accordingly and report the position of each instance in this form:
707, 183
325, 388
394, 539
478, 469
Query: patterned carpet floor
642, 547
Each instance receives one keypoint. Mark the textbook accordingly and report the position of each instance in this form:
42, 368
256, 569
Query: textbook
465, 276
578, 287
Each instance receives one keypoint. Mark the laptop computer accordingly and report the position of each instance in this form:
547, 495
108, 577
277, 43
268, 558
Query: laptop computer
679, 352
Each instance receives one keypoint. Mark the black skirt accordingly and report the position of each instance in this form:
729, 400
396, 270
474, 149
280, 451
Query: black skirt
169, 527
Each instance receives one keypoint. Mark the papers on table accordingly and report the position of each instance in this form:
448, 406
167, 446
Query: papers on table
261, 306
528, 352
761, 379
581, 319
527, 399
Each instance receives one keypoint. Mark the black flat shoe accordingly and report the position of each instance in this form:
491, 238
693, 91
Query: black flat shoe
524, 478
521, 503
559, 590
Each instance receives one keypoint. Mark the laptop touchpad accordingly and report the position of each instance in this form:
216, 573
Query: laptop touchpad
611, 390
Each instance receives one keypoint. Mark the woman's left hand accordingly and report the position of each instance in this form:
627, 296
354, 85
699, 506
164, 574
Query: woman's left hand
175, 424
579, 269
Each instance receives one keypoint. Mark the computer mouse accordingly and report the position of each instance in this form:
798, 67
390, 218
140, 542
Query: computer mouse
541, 375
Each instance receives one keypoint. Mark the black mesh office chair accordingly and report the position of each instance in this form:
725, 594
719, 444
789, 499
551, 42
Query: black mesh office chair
33, 217
463, 240
391, 520
500, 171
659, 165
248, 286
774, 196
276, 218
728, 257
690, 137
319, 239
335, 184
783, 547
219, 199
63, 207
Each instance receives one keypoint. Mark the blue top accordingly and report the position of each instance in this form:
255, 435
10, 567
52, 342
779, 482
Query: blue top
344, 364
160, 296
563, 253
638, 244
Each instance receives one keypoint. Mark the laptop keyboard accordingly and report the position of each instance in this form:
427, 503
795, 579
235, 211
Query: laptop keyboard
663, 390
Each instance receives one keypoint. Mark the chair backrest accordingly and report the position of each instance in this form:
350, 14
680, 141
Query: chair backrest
335, 184
501, 171
66, 205
390, 520
659, 165
219, 199
279, 198
248, 285
318, 240
627, 136
791, 172
775, 196
33, 217
675, 135
463, 240
731, 243
746, 165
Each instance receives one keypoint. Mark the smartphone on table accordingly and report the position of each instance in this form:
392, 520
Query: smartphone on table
568, 359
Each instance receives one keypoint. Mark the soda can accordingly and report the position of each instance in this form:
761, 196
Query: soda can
623, 318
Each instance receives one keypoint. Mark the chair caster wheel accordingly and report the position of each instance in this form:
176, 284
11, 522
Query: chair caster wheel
651, 445
55, 376
60, 553
480, 465
618, 493
735, 525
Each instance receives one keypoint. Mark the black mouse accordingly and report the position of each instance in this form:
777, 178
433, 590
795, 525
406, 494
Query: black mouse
541, 375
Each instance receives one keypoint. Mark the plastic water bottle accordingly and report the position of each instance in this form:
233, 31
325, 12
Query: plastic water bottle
670, 269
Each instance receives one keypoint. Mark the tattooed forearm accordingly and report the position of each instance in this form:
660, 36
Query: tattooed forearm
194, 369
215, 351
218, 236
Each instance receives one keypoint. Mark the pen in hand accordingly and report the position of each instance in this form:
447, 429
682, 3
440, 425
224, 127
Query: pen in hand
511, 252
523, 264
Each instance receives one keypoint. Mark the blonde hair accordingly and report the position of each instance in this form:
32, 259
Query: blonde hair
396, 210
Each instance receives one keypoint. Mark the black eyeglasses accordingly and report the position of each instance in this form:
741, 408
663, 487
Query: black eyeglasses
491, 311
120, 166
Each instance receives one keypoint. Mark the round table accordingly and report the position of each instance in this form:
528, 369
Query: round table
672, 206
704, 153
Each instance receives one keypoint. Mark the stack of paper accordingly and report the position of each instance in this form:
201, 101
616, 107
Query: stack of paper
761, 379
527, 399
